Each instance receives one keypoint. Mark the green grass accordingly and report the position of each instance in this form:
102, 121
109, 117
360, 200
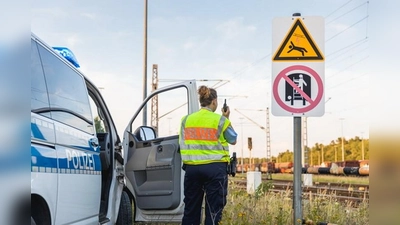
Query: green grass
270, 208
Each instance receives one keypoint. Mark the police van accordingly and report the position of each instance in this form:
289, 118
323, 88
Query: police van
81, 171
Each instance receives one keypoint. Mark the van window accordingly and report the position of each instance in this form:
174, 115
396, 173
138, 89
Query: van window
39, 98
165, 111
98, 119
69, 101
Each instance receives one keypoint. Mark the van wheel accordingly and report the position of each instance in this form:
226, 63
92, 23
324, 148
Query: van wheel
125, 210
32, 221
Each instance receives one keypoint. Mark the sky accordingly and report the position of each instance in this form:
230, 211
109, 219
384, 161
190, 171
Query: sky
228, 41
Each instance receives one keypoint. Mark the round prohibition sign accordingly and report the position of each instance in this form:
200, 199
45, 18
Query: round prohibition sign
313, 103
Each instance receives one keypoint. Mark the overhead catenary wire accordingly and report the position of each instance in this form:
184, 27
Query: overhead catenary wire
351, 65
354, 44
330, 14
335, 62
347, 81
366, 26
346, 28
243, 69
347, 13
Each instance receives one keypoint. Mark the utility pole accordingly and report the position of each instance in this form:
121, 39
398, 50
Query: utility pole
241, 159
145, 64
335, 153
304, 154
266, 129
169, 125
322, 153
154, 100
268, 136
362, 146
268, 143
341, 119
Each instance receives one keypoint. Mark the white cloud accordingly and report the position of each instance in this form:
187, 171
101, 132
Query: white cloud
251, 28
343, 32
51, 12
188, 45
234, 27
91, 16
72, 40
123, 34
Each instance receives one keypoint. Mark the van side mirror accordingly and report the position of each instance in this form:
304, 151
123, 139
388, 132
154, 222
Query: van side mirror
145, 133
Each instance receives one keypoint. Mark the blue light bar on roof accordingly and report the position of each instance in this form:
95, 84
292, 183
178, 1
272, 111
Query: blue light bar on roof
68, 55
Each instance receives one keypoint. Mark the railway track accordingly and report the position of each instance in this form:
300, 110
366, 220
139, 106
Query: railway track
339, 191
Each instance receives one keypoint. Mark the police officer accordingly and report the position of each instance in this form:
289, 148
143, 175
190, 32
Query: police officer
204, 138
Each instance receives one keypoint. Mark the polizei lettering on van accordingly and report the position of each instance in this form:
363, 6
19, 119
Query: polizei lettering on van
80, 160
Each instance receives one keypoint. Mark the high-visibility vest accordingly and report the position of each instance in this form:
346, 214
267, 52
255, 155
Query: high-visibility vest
201, 138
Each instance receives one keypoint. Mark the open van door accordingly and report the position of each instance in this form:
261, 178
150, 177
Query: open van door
153, 165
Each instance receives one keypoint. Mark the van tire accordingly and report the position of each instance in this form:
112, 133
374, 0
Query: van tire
40, 211
32, 221
125, 210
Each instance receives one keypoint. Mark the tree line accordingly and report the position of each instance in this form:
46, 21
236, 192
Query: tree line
354, 149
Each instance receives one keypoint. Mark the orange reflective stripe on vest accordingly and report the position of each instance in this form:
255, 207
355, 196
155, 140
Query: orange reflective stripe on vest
201, 133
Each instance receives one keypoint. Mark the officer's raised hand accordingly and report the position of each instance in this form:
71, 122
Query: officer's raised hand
225, 110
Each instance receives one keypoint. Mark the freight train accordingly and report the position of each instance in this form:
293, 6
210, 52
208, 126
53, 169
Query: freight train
287, 167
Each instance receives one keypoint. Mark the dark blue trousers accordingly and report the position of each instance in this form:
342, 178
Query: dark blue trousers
211, 180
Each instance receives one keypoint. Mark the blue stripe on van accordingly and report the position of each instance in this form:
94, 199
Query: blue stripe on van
43, 157
41, 129
35, 132
73, 161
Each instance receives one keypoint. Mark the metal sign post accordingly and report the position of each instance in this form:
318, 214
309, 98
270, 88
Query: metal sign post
298, 82
298, 214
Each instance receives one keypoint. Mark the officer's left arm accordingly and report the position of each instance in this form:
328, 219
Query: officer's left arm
230, 135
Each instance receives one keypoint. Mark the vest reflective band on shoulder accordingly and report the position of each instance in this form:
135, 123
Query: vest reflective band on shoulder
201, 140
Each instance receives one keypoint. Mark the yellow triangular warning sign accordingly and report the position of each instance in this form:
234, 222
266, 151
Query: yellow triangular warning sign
298, 45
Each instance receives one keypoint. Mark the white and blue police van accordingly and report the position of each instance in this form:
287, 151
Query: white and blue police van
81, 172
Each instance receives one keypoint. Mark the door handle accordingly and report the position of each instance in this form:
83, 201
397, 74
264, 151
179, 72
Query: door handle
159, 148
94, 142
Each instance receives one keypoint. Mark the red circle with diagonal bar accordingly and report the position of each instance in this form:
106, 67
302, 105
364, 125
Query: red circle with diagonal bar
313, 102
